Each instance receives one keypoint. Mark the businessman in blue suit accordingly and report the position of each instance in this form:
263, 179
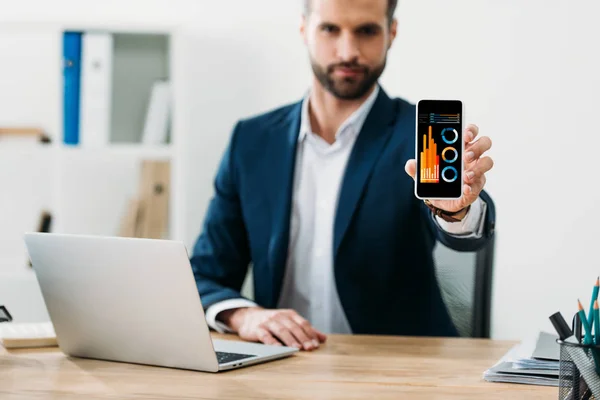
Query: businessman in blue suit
318, 196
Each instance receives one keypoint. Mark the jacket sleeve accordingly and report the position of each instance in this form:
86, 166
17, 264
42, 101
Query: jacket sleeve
221, 254
458, 243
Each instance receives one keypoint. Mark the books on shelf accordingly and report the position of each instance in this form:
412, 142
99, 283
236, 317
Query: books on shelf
89, 78
156, 124
96, 88
71, 86
154, 191
147, 214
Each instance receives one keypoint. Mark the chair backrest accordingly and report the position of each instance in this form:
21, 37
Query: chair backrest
465, 279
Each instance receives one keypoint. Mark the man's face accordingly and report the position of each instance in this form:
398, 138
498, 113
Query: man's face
347, 42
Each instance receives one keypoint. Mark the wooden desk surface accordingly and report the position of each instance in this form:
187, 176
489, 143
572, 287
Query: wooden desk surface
346, 367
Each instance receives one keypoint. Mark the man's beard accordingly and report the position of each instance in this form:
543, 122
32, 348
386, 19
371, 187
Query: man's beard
347, 88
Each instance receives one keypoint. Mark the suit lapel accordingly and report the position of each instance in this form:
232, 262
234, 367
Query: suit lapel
282, 159
370, 143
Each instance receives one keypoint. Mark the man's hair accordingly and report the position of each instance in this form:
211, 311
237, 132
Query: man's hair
392, 4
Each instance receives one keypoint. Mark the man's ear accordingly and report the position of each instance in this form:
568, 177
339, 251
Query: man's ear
393, 31
303, 22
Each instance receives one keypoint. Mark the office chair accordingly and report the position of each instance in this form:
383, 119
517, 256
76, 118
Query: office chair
465, 279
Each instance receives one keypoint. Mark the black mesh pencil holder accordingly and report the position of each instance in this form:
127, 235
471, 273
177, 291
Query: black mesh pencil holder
579, 371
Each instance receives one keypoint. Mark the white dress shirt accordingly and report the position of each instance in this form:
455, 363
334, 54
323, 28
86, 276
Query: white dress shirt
309, 285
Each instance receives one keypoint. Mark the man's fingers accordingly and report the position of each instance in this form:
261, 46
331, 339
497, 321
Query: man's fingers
474, 188
282, 333
471, 133
478, 169
299, 334
475, 150
478, 185
311, 332
265, 337
484, 164
322, 337
411, 168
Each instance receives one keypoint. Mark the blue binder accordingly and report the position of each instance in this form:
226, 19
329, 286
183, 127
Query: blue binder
72, 86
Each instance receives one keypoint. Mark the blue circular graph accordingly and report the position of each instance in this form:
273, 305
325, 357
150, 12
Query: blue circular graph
452, 179
449, 130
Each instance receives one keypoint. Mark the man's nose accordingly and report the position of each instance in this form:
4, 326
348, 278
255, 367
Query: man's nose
348, 47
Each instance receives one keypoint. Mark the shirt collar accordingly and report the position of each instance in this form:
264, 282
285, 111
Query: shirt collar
355, 121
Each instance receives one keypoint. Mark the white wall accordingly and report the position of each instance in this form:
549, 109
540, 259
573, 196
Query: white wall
526, 70
528, 73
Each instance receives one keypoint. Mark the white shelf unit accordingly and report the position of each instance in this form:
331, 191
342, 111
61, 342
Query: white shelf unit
85, 189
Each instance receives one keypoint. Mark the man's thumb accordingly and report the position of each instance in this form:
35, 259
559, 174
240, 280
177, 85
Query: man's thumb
411, 168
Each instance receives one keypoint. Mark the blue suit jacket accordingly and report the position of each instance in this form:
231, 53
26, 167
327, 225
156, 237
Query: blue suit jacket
383, 236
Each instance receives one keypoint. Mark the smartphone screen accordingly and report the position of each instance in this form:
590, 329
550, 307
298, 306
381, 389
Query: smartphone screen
439, 149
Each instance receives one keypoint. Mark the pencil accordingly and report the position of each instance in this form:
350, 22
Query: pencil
587, 339
596, 323
594, 298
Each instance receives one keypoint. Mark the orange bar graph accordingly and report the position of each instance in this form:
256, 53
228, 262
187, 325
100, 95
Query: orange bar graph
430, 160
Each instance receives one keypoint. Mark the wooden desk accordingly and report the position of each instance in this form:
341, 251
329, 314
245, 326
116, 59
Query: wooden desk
346, 367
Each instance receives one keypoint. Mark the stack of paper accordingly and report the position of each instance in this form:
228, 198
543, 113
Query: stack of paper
533, 362
24, 334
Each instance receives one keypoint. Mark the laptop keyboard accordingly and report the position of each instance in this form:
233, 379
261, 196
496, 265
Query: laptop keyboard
224, 358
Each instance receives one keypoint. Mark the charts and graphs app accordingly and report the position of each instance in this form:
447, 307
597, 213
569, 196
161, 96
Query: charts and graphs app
439, 149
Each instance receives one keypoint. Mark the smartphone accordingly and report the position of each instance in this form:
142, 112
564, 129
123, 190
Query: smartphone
439, 149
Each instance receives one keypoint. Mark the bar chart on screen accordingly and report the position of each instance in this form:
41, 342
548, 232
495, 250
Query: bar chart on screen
434, 118
430, 160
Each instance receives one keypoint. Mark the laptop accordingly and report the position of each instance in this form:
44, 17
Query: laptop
132, 300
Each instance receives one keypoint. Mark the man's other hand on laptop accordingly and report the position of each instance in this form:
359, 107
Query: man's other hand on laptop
273, 327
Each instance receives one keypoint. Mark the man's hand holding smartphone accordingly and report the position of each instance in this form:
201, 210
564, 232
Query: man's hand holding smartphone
447, 155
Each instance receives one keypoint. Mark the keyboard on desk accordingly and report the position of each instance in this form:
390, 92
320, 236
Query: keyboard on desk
224, 357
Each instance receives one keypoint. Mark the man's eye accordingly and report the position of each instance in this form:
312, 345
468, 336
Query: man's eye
367, 31
329, 29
